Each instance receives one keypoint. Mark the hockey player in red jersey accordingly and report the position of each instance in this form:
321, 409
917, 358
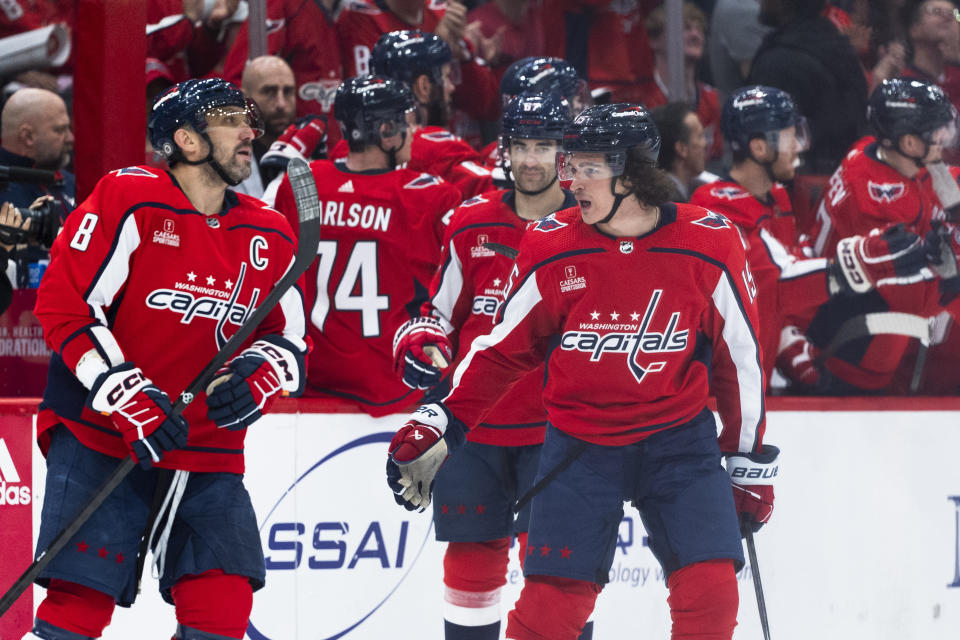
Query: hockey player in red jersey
767, 134
362, 22
879, 184
496, 465
422, 61
639, 307
177, 253
382, 231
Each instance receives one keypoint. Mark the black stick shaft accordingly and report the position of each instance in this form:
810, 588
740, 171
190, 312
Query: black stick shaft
757, 585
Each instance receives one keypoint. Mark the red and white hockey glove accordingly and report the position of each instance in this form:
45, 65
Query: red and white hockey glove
893, 256
796, 358
752, 475
306, 138
140, 411
243, 390
416, 452
421, 350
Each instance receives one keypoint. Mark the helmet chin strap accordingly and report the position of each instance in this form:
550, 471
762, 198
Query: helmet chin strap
213, 163
617, 200
392, 153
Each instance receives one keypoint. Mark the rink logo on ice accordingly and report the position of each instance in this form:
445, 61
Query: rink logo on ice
11, 491
352, 547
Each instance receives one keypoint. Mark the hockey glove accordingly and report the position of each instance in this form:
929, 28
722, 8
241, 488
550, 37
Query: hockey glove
942, 245
420, 351
242, 391
796, 358
752, 475
140, 411
416, 452
891, 256
306, 138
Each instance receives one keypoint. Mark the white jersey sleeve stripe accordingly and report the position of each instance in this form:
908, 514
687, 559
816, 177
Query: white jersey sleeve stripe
514, 311
745, 353
790, 266
295, 322
451, 287
113, 274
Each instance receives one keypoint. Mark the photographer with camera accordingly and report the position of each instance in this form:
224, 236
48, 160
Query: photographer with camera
20, 230
37, 143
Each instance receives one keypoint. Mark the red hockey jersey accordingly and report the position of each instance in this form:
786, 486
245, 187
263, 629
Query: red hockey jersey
788, 284
865, 193
300, 32
379, 248
139, 275
465, 295
634, 330
436, 151
362, 22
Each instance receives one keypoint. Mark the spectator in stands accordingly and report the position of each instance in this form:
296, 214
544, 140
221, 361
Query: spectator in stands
302, 33
735, 35
504, 31
808, 58
683, 148
268, 81
36, 134
933, 37
192, 37
702, 98
605, 40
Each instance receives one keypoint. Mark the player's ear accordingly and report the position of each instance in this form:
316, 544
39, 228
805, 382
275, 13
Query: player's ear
422, 86
759, 148
189, 142
909, 145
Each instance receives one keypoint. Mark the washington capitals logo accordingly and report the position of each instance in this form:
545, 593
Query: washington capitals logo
728, 193
425, 180
885, 191
438, 136
134, 171
475, 200
548, 223
713, 221
637, 342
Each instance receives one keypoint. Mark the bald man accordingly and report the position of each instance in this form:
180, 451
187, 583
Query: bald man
268, 81
36, 134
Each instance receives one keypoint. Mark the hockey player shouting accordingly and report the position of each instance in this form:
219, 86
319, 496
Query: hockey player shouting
148, 279
495, 467
637, 306
382, 230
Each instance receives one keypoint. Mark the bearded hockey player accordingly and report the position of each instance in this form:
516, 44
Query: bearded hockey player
148, 279
767, 134
382, 231
496, 466
635, 300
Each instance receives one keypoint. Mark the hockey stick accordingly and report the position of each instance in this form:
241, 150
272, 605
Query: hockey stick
757, 586
308, 209
502, 249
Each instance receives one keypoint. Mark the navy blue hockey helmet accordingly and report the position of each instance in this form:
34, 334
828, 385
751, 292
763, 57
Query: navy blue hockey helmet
614, 129
542, 74
406, 55
190, 103
536, 115
363, 104
902, 106
760, 112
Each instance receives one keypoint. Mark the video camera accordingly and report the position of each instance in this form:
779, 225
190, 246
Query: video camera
44, 220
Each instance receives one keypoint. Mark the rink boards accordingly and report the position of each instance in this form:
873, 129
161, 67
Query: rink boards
864, 540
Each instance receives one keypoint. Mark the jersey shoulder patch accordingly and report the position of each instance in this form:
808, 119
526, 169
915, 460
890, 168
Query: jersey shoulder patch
729, 192
713, 221
547, 223
361, 6
474, 201
439, 136
142, 172
885, 192
423, 181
